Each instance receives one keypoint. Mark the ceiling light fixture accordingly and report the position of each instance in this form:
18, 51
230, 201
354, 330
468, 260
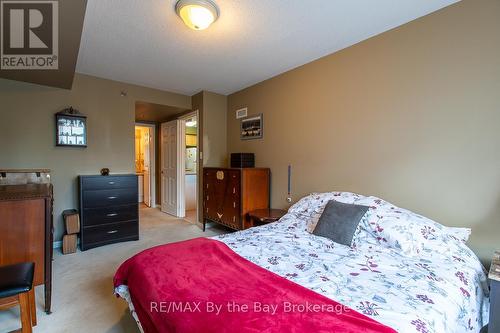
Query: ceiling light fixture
197, 14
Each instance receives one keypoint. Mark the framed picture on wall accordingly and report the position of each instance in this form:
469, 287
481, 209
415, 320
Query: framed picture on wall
252, 128
71, 128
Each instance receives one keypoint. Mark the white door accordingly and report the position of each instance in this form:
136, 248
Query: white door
170, 170
147, 169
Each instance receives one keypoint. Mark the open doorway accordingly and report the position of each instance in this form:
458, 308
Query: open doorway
152, 115
191, 167
174, 155
145, 160
179, 164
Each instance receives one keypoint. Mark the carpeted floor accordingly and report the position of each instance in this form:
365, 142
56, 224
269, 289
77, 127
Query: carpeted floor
82, 297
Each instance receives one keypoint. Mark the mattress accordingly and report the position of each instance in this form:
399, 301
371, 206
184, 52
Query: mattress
436, 291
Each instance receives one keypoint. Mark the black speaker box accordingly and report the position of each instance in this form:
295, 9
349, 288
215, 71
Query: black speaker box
242, 160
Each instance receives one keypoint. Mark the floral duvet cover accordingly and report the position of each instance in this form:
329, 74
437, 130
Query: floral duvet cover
439, 290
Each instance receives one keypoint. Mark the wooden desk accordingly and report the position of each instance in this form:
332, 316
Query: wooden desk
26, 230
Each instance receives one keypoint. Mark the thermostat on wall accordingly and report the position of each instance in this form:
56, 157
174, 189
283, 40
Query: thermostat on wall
241, 113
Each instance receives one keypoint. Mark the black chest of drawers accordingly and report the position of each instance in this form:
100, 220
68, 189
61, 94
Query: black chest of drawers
109, 210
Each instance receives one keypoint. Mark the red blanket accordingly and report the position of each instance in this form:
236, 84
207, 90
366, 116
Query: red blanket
201, 285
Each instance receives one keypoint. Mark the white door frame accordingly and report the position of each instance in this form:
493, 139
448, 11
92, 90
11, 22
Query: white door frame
181, 135
152, 161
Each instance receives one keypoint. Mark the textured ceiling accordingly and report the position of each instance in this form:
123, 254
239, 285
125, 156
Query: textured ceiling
145, 43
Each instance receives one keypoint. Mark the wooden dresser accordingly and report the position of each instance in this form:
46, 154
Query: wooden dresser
109, 210
26, 230
229, 194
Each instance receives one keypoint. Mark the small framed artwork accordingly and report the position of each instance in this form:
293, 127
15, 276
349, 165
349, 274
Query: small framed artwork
71, 128
252, 128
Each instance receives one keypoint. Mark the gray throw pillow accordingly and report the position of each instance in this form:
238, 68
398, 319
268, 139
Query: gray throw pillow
339, 221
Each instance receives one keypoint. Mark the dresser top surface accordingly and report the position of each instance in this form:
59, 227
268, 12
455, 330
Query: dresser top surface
110, 175
25, 170
25, 191
215, 168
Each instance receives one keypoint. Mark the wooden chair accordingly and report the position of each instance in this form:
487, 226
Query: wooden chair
16, 287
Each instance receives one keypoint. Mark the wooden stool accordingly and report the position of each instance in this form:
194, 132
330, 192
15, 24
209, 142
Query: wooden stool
16, 287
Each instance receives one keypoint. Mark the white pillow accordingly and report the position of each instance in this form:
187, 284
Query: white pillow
387, 224
407, 231
461, 234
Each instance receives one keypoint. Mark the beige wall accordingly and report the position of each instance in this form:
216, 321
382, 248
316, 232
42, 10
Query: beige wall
411, 116
27, 128
212, 142
214, 129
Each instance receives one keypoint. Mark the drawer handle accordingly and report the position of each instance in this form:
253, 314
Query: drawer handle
111, 183
111, 198
111, 214
112, 232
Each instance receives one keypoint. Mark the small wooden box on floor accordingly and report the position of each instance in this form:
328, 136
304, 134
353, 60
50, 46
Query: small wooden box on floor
71, 221
69, 243
230, 193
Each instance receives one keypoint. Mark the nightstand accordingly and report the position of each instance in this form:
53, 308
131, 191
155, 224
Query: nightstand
264, 216
494, 277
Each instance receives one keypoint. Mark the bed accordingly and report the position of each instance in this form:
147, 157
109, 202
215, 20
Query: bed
403, 270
